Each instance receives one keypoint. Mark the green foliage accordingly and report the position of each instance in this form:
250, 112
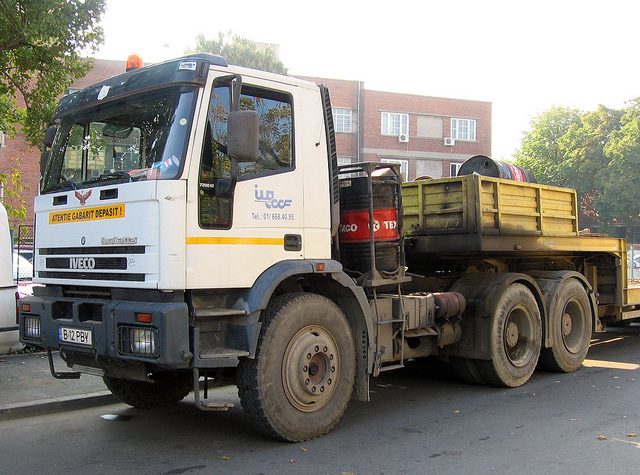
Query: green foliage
542, 151
10, 115
596, 152
12, 188
584, 145
240, 51
40, 43
620, 198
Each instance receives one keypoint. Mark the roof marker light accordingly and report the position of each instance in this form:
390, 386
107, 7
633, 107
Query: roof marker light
134, 61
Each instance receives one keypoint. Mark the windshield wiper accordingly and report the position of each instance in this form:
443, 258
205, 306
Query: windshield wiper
108, 177
62, 186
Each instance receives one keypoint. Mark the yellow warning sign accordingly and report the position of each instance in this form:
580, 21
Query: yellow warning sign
87, 214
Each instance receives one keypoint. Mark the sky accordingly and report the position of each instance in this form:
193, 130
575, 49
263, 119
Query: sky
523, 56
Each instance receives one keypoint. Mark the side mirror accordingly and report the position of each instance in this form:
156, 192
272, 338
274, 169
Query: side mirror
224, 187
243, 135
44, 158
49, 135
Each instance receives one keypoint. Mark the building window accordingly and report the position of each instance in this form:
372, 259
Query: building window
395, 124
454, 168
429, 127
342, 120
404, 166
463, 129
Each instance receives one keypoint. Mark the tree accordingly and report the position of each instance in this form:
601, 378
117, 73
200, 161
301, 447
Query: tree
542, 152
12, 187
596, 152
40, 46
584, 146
586, 165
241, 51
620, 197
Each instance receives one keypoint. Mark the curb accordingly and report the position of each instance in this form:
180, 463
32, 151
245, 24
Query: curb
54, 405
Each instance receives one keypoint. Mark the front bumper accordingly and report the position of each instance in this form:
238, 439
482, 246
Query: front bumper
109, 330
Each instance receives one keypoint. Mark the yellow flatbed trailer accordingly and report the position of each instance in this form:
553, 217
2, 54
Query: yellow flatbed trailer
479, 224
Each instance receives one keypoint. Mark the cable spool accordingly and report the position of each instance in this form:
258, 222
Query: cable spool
487, 166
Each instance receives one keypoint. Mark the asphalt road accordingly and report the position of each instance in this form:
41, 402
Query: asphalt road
420, 420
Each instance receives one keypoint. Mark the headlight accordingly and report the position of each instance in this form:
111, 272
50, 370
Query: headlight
137, 341
30, 327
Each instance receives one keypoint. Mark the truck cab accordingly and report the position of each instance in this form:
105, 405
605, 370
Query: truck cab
177, 201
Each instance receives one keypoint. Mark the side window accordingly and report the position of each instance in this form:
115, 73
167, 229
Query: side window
276, 132
275, 148
213, 211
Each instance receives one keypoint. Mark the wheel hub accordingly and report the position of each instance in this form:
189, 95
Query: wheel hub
573, 326
316, 374
512, 334
567, 324
310, 368
518, 336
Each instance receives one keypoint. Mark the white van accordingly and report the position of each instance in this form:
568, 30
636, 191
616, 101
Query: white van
8, 291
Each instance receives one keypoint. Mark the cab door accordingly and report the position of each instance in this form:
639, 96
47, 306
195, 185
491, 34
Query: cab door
232, 239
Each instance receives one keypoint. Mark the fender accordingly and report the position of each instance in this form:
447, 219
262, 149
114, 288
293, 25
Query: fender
352, 301
482, 291
245, 305
258, 295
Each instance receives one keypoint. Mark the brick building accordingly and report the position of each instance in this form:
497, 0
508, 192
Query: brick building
427, 136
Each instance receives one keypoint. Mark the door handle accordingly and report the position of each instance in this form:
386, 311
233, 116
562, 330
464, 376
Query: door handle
292, 242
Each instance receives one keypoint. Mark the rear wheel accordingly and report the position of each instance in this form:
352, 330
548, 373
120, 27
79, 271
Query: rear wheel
299, 383
167, 389
515, 339
571, 329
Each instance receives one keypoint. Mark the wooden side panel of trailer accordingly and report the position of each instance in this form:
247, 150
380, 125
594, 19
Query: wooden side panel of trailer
477, 204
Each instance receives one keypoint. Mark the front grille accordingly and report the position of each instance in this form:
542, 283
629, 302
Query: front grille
92, 276
62, 310
106, 263
57, 251
87, 311
100, 263
90, 312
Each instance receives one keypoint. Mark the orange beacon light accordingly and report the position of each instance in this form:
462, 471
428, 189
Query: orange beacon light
134, 61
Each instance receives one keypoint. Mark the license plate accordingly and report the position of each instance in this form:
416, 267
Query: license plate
75, 335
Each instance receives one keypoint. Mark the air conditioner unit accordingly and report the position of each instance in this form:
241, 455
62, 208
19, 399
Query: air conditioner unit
404, 138
449, 141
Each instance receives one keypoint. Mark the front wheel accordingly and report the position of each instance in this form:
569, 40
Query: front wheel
299, 383
515, 338
165, 390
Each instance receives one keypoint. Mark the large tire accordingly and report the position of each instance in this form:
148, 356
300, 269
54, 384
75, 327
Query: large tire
467, 370
570, 327
515, 338
166, 390
299, 383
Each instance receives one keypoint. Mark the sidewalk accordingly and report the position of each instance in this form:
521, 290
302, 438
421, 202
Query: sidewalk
28, 389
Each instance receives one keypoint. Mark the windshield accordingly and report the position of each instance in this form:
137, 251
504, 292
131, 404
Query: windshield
141, 137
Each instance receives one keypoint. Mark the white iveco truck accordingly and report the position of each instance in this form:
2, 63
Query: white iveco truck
193, 225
